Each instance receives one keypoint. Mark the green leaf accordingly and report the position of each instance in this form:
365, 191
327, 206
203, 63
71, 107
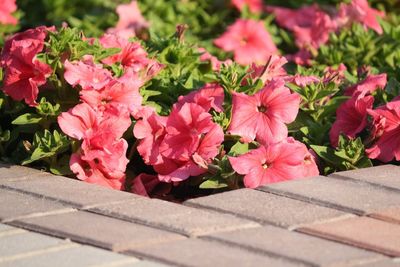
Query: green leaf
213, 183
27, 118
239, 149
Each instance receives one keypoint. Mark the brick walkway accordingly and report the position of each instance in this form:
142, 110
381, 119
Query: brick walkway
348, 219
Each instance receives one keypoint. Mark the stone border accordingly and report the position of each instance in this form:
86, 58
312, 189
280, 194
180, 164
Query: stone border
346, 219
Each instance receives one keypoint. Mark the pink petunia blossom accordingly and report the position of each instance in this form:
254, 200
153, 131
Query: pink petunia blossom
302, 57
209, 96
263, 116
303, 81
351, 117
151, 132
87, 74
184, 129
87, 171
288, 18
360, 11
335, 74
273, 70
249, 41
317, 33
130, 22
8, 7
270, 164
124, 93
23, 72
255, 6
386, 132
368, 86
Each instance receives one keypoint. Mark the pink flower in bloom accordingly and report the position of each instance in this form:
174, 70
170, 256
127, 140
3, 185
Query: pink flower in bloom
8, 7
151, 131
116, 92
270, 164
87, 74
23, 72
255, 6
87, 171
386, 131
302, 57
249, 41
303, 81
291, 18
184, 130
360, 11
368, 86
130, 22
132, 57
274, 69
351, 117
210, 96
263, 115
317, 33
335, 74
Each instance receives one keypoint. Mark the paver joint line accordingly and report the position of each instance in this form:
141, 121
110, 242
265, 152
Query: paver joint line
338, 176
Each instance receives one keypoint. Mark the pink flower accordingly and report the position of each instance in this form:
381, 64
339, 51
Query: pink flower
291, 18
360, 11
386, 131
274, 69
368, 86
23, 72
303, 81
270, 164
132, 57
184, 130
302, 57
317, 33
249, 41
87, 171
209, 96
351, 117
151, 131
8, 7
255, 6
87, 74
130, 22
116, 92
263, 115
335, 74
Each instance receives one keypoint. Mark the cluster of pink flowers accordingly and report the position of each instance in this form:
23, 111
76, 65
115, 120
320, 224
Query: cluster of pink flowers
250, 41
7, 8
23, 72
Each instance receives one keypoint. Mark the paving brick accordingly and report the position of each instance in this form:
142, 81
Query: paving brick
14, 172
198, 252
4, 227
386, 176
175, 217
383, 263
69, 191
297, 246
390, 215
146, 264
81, 256
364, 232
25, 242
266, 208
350, 196
97, 230
14, 204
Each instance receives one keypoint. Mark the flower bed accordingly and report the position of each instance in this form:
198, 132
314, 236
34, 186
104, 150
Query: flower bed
184, 98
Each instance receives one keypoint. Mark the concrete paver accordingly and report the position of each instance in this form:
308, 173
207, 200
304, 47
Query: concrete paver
69, 191
176, 217
266, 208
364, 232
385, 176
14, 172
390, 215
349, 196
202, 253
297, 246
97, 230
14, 204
